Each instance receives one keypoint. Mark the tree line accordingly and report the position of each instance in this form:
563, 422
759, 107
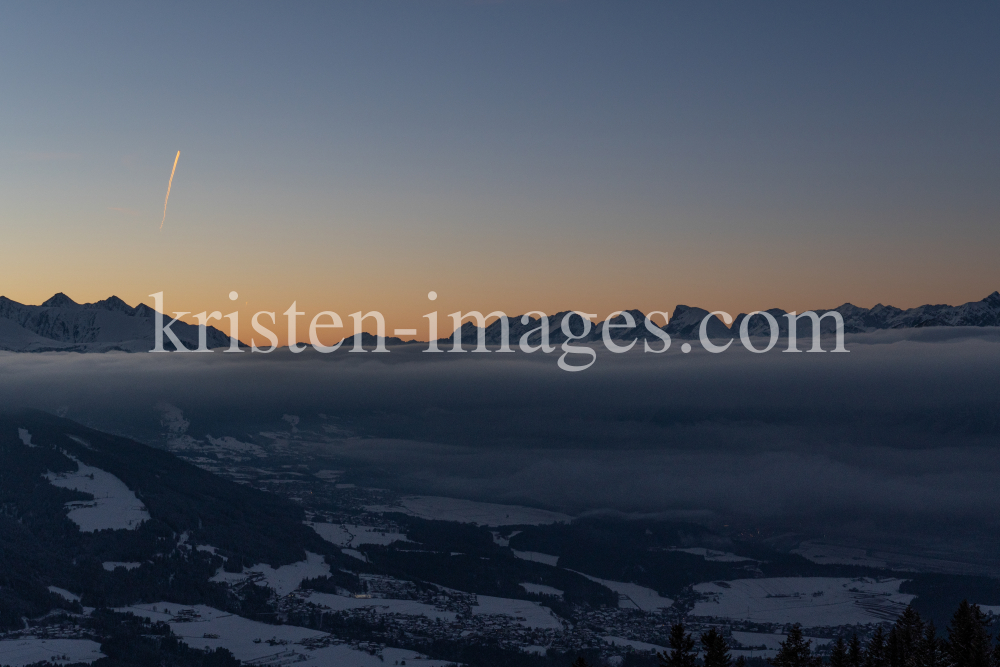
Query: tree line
910, 642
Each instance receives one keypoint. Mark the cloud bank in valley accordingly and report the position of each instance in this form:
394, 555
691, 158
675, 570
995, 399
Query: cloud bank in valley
899, 435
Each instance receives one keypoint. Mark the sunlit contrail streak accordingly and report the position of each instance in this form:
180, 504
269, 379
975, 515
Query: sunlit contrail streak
168, 190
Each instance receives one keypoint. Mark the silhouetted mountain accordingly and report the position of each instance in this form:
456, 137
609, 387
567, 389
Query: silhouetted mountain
62, 324
985, 313
618, 332
371, 340
111, 324
685, 323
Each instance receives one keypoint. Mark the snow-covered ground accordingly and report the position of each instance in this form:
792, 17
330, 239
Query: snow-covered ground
715, 556
634, 596
112, 565
749, 644
283, 580
536, 557
347, 535
529, 614
25, 437
525, 612
500, 540
72, 597
250, 641
541, 589
379, 605
28, 650
828, 554
354, 553
812, 601
470, 511
114, 505
769, 641
637, 645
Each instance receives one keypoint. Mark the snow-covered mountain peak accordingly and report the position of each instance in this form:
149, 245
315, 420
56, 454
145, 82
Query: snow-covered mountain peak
114, 304
61, 324
60, 300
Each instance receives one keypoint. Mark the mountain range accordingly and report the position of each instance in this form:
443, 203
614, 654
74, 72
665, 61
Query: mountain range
61, 324
685, 323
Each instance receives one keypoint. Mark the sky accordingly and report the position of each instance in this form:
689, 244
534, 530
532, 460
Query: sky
518, 156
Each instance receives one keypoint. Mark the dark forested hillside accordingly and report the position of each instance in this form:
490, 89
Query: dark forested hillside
41, 547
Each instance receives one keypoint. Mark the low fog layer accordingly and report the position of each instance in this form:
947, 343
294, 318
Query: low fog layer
896, 440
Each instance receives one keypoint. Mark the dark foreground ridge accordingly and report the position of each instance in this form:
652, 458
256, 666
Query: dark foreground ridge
198, 528
40, 546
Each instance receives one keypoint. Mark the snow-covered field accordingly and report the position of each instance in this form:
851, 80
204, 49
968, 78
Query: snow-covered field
285, 579
637, 645
536, 557
828, 554
114, 505
500, 540
112, 565
28, 650
470, 511
812, 601
633, 596
769, 641
347, 535
250, 641
715, 556
379, 605
525, 612
72, 597
529, 614
354, 553
542, 589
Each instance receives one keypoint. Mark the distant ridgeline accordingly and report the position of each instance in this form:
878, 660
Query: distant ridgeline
60, 324
685, 322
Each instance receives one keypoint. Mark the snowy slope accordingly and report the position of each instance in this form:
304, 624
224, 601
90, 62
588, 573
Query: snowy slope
29, 650
283, 580
633, 596
114, 506
379, 605
62, 324
527, 613
259, 643
471, 511
347, 535
811, 601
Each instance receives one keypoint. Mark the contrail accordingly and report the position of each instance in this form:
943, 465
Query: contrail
168, 190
